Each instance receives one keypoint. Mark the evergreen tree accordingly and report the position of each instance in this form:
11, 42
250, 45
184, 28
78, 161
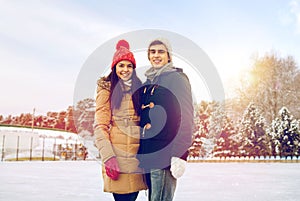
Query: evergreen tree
60, 121
285, 134
70, 125
253, 138
225, 145
217, 118
208, 127
84, 115
200, 131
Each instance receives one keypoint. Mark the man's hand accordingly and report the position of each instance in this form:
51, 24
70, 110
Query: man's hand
177, 167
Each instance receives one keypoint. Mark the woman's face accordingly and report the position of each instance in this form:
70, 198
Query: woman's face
124, 70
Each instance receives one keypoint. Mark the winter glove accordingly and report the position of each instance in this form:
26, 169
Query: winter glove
112, 168
177, 167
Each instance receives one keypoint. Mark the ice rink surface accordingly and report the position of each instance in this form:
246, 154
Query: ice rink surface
81, 181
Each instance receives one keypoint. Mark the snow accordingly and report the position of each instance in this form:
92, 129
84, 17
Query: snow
40, 132
82, 180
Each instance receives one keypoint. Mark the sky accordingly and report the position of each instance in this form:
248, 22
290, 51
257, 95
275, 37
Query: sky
44, 44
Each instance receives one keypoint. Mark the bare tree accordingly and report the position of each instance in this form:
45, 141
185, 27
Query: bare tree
271, 84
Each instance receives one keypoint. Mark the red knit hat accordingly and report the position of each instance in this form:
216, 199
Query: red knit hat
123, 53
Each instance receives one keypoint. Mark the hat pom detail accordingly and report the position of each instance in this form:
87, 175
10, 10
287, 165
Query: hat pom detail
122, 43
122, 53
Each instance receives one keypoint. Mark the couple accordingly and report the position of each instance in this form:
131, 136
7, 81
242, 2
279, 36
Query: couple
143, 131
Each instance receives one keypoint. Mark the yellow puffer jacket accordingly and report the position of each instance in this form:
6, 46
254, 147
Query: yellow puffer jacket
118, 135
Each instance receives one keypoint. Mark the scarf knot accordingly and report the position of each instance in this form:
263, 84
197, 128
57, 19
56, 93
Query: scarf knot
153, 73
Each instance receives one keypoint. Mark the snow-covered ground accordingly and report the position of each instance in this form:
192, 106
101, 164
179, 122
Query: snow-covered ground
81, 181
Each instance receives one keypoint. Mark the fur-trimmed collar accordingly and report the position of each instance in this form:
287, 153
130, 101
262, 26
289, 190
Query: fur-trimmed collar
104, 83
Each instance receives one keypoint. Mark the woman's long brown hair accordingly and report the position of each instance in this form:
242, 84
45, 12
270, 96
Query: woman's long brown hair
116, 92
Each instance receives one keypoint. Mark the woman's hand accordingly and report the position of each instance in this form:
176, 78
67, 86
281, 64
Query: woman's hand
112, 168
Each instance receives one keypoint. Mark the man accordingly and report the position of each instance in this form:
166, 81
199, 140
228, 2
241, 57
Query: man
166, 121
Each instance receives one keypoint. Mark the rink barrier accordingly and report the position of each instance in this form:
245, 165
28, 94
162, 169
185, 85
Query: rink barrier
245, 159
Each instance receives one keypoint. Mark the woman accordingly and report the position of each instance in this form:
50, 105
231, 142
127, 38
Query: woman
116, 126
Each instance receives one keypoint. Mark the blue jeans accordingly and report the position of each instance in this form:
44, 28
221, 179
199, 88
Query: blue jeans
161, 185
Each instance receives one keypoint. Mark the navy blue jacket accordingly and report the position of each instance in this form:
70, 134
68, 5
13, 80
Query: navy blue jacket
167, 106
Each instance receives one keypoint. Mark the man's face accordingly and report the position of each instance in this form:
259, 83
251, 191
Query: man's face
158, 56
